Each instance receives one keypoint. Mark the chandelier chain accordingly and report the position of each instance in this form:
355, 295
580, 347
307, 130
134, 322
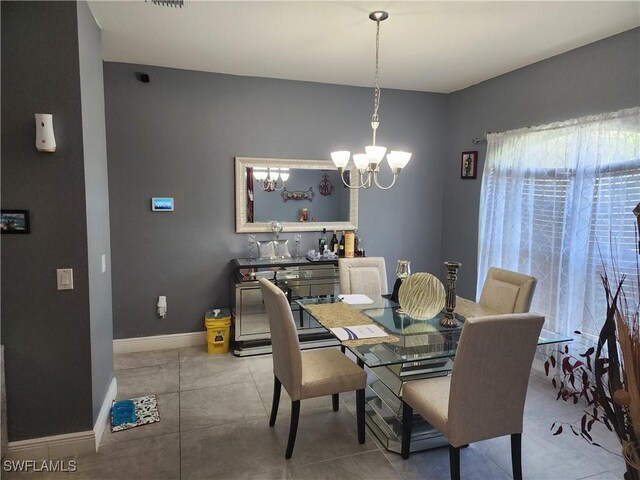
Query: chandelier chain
376, 95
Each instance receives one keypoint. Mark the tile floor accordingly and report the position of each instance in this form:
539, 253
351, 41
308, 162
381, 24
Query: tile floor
214, 425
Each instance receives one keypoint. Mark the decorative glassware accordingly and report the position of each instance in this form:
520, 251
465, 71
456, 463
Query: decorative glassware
252, 244
449, 320
403, 269
298, 239
276, 228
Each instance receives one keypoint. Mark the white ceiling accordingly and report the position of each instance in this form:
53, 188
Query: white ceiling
428, 46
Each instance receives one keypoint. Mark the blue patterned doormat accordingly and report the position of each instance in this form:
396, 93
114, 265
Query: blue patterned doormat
146, 412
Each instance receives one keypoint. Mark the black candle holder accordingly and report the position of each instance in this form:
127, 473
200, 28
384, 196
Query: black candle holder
449, 320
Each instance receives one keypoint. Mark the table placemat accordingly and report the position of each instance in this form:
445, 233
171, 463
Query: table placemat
340, 314
471, 309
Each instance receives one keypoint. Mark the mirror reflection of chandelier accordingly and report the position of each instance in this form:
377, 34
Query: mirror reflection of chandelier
368, 163
267, 178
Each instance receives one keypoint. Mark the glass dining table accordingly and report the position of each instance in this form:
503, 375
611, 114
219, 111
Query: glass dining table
420, 349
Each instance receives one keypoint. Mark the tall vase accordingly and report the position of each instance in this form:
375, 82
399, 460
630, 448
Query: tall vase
449, 319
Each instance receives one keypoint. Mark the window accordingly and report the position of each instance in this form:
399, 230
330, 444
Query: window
556, 202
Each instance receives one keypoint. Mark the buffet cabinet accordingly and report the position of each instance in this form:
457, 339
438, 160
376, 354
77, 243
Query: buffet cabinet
297, 278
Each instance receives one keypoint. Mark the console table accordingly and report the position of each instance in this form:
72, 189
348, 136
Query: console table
298, 278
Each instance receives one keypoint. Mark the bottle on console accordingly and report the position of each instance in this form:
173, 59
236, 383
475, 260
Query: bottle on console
334, 243
341, 246
322, 243
349, 245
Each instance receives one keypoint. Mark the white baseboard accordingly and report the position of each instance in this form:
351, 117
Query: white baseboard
158, 342
54, 447
101, 422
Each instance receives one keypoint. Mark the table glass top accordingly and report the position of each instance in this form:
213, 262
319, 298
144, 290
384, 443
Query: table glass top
420, 340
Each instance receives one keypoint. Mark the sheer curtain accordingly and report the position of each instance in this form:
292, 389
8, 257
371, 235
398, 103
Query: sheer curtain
554, 199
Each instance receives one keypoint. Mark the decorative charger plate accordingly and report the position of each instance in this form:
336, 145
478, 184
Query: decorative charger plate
422, 296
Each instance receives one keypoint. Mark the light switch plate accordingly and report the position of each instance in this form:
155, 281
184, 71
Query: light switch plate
65, 278
104, 263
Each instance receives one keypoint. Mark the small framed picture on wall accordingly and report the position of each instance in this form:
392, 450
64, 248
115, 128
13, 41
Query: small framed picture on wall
14, 221
468, 164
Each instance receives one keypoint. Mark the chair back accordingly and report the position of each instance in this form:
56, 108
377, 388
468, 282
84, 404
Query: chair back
287, 359
507, 292
366, 275
490, 376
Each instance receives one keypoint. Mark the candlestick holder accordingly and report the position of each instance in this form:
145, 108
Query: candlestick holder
276, 228
298, 239
449, 320
252, 244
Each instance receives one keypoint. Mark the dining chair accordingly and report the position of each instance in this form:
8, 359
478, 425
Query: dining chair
484, 395
505, 291
308, 374
365, 275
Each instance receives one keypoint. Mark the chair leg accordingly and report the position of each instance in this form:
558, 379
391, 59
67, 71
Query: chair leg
293, 427
343, 349
516, 455
360, 414
407, 426
276, 401
454, 462
335, 398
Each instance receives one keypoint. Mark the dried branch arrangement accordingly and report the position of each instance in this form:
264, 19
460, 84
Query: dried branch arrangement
606, 377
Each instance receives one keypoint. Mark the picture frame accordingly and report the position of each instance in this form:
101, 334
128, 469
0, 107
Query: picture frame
469, 164
14, 222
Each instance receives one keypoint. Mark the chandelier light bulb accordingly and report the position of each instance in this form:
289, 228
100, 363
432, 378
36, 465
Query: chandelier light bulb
340, 158
284, 176
397, 159
361, 160
260, 175
375, 154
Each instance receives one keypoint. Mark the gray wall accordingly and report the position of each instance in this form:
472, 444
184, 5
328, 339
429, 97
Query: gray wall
97, 203
600, 77
177, 136
48, 333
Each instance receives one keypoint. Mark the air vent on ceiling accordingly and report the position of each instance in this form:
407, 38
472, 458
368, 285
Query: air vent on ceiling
169, 3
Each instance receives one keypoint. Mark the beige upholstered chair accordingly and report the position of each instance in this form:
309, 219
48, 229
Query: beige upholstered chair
507, 292
484, 396
366, 275
307, 374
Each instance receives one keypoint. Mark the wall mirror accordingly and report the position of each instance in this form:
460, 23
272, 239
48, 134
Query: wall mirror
305, 195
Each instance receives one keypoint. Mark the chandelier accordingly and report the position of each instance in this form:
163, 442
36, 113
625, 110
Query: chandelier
267, 179
368, 163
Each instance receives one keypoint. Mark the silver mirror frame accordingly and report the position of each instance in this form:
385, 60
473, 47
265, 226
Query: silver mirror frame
242, 226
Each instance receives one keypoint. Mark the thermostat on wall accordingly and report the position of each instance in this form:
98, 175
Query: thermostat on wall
162, 204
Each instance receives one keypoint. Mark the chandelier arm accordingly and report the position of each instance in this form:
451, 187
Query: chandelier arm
393, 182
350, 186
